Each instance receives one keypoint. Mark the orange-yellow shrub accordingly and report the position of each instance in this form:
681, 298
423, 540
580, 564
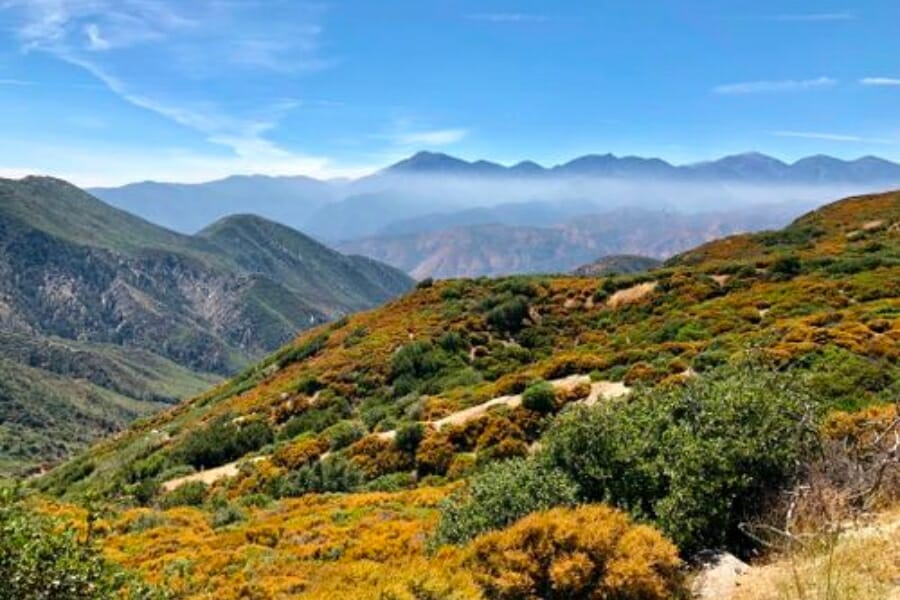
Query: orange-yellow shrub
570, 554
300, 453
435, 454
377, 456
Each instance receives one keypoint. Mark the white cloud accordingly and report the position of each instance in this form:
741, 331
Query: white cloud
509, 17
816, 17
17, 82
774, 86
435, 137
880, 81
95, 40
204, 38
831, 137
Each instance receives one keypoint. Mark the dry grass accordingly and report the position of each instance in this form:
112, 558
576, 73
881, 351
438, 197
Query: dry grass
858, 564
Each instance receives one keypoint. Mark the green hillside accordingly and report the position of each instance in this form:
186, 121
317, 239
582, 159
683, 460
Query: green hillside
91, 293
393, 451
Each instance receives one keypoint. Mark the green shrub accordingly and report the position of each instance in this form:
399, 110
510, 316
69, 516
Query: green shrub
192, 493
786, 267
342, 434
500, 494
508, 316
44, 559
419, 363
333, 474
225, 515
392, 482
697, 460
408, 437
328, 411
222, 441
539, 397
302, 352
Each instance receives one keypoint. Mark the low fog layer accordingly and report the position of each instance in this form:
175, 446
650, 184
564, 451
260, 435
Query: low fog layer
410, 204
448, 223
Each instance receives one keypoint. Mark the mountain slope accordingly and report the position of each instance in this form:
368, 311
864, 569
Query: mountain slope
334, 411
827, 282
329, 279
85, 287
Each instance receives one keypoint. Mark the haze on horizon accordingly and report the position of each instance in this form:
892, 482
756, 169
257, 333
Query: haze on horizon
106, 92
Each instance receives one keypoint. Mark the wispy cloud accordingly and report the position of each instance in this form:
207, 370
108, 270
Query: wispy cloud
435, 137
203, 38
823, 17
832, 137
774, 86
880, 81
16, 82
95, 40
509, 17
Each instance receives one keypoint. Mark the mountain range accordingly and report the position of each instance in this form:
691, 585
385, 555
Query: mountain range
493, 248
105, 316
428, 183
748, 167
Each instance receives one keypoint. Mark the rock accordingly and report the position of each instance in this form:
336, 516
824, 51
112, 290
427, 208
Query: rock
719, 576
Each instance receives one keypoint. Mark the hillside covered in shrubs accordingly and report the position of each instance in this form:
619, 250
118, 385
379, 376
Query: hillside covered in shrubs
457, 442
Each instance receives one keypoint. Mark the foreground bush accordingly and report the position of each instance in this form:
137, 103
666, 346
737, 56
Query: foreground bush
583, 553
696, 460
500, 494
40, 559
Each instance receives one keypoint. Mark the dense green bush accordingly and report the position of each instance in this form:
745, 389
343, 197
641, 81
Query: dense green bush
329, 410
786, 267
333, 474
539, 397
46, 560
500, 494
222, 441
508, 316
697, 460
408, 437
192, 493
342, 434
303, 351
420, 363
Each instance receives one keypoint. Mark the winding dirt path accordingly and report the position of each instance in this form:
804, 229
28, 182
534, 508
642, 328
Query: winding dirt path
604, 390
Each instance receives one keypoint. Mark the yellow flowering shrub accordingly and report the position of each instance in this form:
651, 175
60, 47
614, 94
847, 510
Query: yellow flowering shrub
570, 554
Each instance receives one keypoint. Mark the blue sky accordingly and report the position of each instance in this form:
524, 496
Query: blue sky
111, 91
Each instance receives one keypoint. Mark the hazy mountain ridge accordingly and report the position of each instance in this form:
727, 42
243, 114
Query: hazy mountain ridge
752, 166
497, 249
429, 182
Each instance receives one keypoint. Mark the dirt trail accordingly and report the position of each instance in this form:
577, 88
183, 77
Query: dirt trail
209, 476
599, 390
632, 294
